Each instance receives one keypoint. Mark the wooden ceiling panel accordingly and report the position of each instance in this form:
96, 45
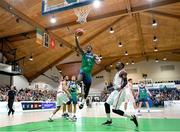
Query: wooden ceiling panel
10, 26
167, 32
109, 5
133, 30
89, 28
136, 3
171, 9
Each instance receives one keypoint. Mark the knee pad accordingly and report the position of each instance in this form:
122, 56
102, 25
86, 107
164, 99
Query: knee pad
68, 103
107, 108
119, 112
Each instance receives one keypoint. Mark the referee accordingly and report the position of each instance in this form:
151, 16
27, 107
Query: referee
11, 98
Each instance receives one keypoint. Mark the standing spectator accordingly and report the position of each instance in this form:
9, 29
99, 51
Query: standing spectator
11, 98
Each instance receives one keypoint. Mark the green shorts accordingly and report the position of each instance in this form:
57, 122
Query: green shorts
74, 98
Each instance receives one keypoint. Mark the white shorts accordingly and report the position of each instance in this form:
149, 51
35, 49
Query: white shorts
119, 99
62, 98
129, 98
110, 99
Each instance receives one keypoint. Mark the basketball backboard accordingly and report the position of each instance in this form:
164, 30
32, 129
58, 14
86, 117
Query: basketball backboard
54, 6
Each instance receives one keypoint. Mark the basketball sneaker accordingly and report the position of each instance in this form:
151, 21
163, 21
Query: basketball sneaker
107, 122
13, 112
81, 106
75, 117
50, 119
67, 116
134, 119
72, 119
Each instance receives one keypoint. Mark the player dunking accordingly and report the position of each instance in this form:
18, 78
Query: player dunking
118, 95
88, 61
62, 97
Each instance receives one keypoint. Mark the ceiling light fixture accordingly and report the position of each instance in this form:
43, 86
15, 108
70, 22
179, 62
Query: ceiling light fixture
157, 60
126, 53
111, 30
154, 23
155, 39
132, 63
120, 44
53, 19
31, 58
97, 3
164, 59
155, 49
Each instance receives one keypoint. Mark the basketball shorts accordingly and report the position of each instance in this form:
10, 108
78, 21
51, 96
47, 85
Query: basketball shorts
62, 98
129, 96
87, 79
74, 98
119, 99
145, 99
110, 99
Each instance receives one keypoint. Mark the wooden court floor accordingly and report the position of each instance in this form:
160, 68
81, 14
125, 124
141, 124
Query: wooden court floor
90, 119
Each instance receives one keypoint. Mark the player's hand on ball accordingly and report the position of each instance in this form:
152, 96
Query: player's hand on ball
97, 59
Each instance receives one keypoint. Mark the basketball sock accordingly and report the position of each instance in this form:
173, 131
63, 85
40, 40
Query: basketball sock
83, 101
51, 115
70, 114
108, 117
127, 115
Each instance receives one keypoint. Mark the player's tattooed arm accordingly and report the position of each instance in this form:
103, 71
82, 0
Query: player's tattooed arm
123, 75
78, 45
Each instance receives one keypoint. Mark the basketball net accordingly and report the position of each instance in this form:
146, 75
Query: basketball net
82, 13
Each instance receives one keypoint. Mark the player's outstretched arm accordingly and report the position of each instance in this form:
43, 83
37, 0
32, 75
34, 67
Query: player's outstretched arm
78, 45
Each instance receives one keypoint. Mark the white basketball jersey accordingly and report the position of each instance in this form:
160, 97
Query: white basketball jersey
60, 89
117, 82
128, 88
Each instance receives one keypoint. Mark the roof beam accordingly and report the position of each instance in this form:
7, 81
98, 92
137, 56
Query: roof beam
153, 5
140, 34
165, 14
147, 53
35, 75
70, 52
5, 5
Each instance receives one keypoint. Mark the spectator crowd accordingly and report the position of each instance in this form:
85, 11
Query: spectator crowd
28, 94
158, 95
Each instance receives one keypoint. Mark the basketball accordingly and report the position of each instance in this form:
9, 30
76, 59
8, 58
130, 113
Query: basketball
79, 32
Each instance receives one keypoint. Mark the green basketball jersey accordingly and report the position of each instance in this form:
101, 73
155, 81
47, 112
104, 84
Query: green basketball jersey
143, 92
73, 87
88, 62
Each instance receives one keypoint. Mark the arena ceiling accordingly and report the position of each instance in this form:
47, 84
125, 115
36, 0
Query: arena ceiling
131, 21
